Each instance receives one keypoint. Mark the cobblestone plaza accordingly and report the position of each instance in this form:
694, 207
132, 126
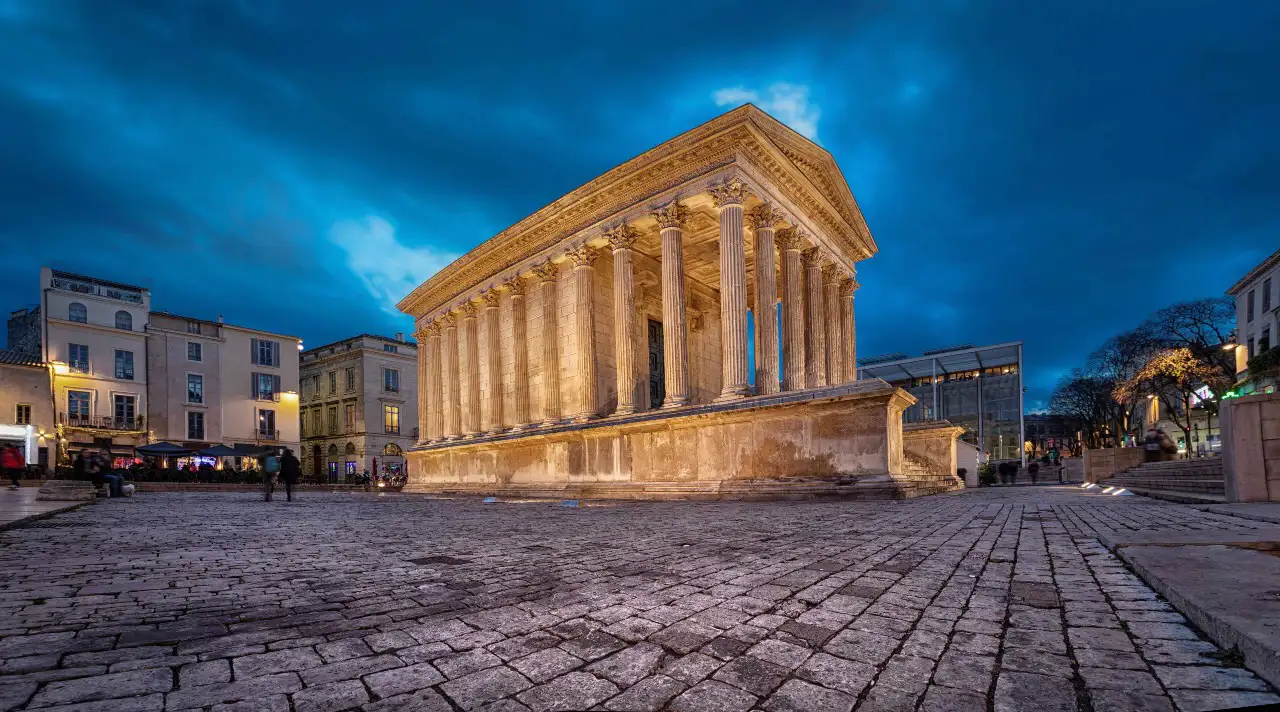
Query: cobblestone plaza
982, 600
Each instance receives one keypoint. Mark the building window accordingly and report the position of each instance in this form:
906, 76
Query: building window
392, 450
124, 365
317, 428
1248, 305
265, 352
1264, 340
302, 431
195, 351
391, 419
195, 388
77, 313
350, 415
333, 420
315, 385
125, 410
1250, 347
391, 348
78, 405
267, 424
390, 380
351, 379
266, 386
23, 414
195, 425
333, 382
1266, 294
78, 358
124, 320
193, 327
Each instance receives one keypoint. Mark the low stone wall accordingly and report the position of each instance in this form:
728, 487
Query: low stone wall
834, 441
1105, 463
1251, 448
933, 445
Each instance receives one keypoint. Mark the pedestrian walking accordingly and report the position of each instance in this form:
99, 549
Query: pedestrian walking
13, 462
270, 466
290, 471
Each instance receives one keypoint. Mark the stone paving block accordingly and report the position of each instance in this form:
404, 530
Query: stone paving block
250, 689
965, 671
837, 673
349, 669
145, 703
546, 664
1039, 662
16, 694
1178, 652
205, 673
330, 697
1127, 701
459, 664
648, 695
632, 629
104, 687
754, 675
520, 646
574, 691
420, 701
271, 663
864, 647
1139, 681
713, 696
629, 666
887, 699
1214, 700
1100, 638
1199, 677
946, 699
1018, 691
478, 688
800, 696
397, 681
1114, 659
691, 668
684, 637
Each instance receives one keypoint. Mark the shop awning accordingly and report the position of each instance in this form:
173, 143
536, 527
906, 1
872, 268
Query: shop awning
218, 450
163, 450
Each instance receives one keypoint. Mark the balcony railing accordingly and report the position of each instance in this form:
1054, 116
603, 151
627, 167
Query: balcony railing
268, 435
101, 422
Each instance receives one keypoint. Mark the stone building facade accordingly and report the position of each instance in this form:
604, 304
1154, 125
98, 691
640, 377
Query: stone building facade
600, 345
26, 408
359, 406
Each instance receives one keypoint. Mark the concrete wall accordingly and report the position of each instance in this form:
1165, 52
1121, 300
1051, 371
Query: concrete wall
1102, 464
1251, 448
854, 435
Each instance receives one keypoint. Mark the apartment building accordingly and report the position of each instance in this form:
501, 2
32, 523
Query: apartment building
359, 406
212, 382
1257, 297
26, 408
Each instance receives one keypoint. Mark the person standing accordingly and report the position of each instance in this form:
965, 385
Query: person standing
270, 466
290, 471
12, 461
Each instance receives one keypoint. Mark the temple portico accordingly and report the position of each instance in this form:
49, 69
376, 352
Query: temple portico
636, 296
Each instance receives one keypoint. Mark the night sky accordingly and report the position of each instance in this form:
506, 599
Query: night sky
1046, 171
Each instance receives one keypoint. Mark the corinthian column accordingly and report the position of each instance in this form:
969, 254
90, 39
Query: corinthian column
765, 311
793, 309
583, 259
453, 399
728, 198
831, 301
519, 352
675, 330
546, 273
493, 359
435, 403
470, 371
621, 239
815, 345
848, 338
424, 394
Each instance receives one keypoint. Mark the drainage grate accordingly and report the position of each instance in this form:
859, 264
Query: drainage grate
49, 524
446, 560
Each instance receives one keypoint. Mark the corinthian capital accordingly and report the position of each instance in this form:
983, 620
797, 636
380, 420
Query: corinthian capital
672, 214
515, 285
583, 256
811, 257
730, 192
848, 286
622, 237
492, 300
763, 216
433, 329
788, 238
450, 321
546, 271
420, 334
831, 274
468, 309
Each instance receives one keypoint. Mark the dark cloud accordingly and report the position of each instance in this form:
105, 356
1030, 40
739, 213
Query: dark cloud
1041, 171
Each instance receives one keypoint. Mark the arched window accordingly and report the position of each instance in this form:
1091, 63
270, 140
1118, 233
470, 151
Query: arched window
392, 449
77, 312
351, 448
124, 320
333, 451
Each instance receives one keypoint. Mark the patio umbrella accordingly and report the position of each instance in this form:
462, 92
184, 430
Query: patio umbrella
218, 450
164, 450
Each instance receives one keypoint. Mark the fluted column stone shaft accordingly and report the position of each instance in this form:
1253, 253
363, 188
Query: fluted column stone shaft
583, 259
493, 361
622, 239
675, 330
452, 384
847, 332
793, 357
425, 366
815, 347
765, 312
831, 304
728, 199
547, 273
470, 371
519, 354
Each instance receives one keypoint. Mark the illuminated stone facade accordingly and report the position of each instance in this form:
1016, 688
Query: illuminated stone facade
601, 345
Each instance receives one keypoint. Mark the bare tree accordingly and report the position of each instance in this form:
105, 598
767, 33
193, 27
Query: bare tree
1173, 376
1086, 400
1202, 326
1117, 362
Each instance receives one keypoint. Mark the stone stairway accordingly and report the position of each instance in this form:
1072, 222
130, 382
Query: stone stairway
1195, 481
